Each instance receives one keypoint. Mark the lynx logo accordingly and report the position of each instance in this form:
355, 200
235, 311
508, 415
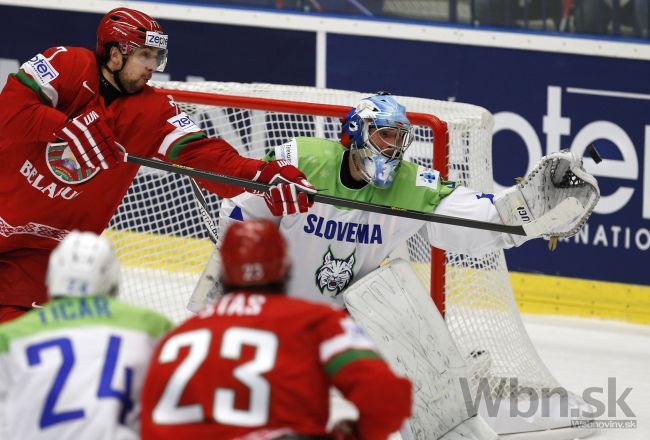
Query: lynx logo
42, 68
523, 214
183, 123
154, 39
335, 274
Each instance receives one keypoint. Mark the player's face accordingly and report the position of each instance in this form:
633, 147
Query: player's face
387, 140
139, 68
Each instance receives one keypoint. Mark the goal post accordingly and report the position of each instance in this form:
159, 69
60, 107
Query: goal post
163, 245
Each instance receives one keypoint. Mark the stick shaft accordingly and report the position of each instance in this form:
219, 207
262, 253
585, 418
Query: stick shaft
208, 222
329, 200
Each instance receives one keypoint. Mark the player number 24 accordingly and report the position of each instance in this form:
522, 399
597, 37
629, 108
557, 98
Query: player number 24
49, 415
168, 411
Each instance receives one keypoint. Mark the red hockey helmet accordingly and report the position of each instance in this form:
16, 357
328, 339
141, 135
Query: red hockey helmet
253, 253
131, 29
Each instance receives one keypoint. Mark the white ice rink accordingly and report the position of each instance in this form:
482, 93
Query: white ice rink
583, 353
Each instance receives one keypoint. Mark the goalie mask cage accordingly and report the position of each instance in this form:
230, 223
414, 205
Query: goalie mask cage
163, 245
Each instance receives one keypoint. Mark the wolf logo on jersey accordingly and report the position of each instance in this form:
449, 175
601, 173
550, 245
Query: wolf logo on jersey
335, 274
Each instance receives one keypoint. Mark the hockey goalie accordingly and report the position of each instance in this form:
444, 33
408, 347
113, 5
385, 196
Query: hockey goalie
334, 247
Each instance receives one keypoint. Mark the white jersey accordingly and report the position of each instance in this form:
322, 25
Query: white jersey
75, 369
331, 247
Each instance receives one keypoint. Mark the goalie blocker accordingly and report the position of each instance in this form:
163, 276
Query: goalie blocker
398, 314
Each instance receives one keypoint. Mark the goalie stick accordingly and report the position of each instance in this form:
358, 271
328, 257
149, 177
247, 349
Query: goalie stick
207, 286
570, 206
208, 222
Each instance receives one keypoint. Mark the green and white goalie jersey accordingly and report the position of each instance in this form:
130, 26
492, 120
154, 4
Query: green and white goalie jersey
332, 247
74, 369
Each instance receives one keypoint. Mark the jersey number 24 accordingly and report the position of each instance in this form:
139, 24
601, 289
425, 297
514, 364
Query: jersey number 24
49, 415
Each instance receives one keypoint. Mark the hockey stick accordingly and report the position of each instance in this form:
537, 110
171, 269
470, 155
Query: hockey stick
208, 222
534, 228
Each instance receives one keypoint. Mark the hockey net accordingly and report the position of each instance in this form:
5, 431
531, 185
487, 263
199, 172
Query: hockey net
163, 244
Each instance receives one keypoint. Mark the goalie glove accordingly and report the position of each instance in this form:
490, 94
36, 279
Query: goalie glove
91, 141
289, 193
558, 195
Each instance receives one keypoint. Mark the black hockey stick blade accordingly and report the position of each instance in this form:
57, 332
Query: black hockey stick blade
330, 200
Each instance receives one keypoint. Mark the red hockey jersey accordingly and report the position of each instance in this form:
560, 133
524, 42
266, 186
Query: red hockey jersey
44, 195
251, 362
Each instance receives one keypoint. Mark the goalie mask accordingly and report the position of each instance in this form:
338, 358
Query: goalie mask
83, 264
378, 133
253, 254
129, 29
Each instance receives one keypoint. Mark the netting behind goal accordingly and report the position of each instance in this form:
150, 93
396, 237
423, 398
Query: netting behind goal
163, 244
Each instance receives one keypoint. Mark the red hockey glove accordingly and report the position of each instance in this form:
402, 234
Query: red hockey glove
91, 141
288, 195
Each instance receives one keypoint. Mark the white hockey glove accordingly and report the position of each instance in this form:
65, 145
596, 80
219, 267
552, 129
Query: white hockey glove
558, 196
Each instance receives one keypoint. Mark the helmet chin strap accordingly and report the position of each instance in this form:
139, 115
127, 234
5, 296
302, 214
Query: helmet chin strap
116, 74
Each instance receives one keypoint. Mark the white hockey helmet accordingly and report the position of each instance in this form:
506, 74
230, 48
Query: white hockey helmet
83, 264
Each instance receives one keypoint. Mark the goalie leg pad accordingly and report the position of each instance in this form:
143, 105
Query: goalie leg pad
399, 315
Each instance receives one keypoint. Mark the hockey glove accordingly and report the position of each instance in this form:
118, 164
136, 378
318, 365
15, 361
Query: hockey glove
289, 193
558, 195
91, 141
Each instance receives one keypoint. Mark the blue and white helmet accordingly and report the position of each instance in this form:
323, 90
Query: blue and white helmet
378, 133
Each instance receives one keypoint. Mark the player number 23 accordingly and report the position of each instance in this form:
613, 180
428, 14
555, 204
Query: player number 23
168, 410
